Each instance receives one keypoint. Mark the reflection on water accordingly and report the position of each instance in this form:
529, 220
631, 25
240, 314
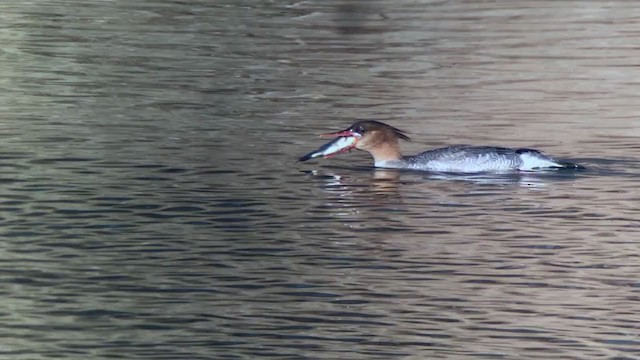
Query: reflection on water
152, 206
389, 180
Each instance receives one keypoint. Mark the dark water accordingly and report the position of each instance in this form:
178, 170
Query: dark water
152, 208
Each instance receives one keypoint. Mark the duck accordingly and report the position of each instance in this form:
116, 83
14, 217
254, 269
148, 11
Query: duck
382, 141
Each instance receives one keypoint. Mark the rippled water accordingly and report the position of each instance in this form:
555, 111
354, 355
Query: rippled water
152, 208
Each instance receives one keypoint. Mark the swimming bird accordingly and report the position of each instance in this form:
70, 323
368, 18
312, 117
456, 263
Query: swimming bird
382, 142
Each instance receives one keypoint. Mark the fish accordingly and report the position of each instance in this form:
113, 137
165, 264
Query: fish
338, 145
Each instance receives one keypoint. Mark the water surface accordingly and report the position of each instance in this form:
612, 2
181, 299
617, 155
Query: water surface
152, 208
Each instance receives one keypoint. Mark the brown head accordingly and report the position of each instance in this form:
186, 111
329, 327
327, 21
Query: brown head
379, 139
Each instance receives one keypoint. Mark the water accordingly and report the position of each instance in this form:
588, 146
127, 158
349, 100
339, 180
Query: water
152, 208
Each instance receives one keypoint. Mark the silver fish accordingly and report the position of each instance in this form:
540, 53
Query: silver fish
337, 145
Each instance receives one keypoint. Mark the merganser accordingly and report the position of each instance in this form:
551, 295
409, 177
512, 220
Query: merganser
381, 141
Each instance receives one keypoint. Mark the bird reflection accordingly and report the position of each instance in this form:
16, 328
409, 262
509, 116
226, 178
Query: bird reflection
388, 181
383, 182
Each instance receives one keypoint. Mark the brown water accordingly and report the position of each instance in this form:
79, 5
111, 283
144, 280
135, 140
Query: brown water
152, 208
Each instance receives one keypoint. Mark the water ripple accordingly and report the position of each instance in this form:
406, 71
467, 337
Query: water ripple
152, 207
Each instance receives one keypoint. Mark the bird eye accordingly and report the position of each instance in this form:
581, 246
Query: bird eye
360, 130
